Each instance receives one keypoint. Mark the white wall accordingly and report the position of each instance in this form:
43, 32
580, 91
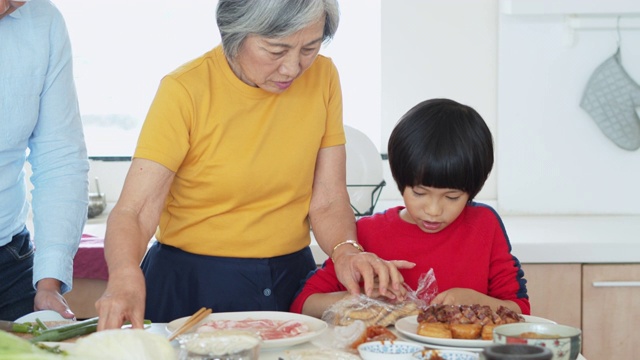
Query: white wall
407, 51
554, 159
438, 48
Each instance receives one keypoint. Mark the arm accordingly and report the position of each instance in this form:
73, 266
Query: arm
333, 221
131, 224
317, 303
457, 296
58, 158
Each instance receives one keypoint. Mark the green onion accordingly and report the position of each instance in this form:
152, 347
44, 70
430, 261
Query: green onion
41, 324
26, 328
67, 331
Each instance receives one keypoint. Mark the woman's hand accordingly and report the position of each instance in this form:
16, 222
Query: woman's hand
124, 299
131, 223
380, 277
48, 297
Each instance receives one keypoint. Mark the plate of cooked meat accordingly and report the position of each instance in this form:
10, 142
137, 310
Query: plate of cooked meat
276, 329
460, 326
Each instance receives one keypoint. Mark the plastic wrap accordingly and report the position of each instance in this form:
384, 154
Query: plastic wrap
381, 310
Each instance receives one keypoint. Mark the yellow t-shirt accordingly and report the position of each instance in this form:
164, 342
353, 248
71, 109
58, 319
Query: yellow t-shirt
244, 158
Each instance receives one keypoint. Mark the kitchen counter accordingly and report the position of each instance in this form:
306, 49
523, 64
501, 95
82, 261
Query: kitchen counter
574, 239
583, 239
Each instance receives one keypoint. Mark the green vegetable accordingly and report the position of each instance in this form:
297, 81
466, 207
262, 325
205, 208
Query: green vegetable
22, 328
41, 324
12, 345
52, 349
65, 332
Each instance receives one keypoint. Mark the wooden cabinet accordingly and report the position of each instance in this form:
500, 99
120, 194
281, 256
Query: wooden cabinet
555, 291
83, 297
601, 299
610, 311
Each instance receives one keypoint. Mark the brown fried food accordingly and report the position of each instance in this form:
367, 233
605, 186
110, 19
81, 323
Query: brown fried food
435, 330
374, 333
466, 321
465, 331
375, 314
380, 333
487, 332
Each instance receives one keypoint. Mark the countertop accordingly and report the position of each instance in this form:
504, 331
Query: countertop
574, 239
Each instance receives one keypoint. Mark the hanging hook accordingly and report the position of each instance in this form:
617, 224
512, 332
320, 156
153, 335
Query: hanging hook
618, 31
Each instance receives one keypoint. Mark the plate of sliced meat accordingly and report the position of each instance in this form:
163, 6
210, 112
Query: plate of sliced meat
459, 326
277, 329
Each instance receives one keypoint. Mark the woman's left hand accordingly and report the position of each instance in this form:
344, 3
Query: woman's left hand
377, 274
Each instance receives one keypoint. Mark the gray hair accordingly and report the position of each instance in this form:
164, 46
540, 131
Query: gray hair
271, 18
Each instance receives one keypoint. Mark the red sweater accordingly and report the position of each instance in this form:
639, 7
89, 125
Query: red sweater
472, 252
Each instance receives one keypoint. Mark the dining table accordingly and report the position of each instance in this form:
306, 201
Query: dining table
285, 353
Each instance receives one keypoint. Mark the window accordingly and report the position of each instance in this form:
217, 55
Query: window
122, 49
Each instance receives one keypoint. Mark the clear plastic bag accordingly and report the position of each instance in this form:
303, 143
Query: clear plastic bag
381, 310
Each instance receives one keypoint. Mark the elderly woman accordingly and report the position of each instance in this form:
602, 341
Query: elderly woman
241, 152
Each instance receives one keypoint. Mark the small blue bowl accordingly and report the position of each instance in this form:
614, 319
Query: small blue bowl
388, 349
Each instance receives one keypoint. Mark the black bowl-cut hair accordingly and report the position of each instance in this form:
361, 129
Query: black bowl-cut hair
443, 144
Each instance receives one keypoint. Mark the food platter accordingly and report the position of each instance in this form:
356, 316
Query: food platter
316, 326
408, 326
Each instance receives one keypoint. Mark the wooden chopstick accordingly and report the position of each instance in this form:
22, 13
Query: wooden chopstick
191, 322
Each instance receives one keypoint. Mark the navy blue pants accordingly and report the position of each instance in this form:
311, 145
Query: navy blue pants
16, 277
179, 283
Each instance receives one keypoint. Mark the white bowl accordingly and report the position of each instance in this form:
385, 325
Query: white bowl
220, 344
446, 355
388, 349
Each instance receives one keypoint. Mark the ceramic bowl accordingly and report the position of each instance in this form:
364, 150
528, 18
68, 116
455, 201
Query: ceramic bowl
564, 341
445, 354
220, 344
388, 349
511, 351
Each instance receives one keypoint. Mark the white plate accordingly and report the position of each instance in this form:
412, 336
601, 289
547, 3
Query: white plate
408, 326
43, 315
316, 326
364, 167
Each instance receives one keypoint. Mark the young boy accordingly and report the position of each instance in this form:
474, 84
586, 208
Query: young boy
440, 154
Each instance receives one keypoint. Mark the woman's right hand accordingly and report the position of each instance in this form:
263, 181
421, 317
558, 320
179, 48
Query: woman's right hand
390, 292
123, 300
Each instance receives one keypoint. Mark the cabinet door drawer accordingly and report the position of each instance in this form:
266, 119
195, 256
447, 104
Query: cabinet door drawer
555, 291
611, 311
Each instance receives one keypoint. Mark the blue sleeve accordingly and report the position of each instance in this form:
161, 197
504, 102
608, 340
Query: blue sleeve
58, 158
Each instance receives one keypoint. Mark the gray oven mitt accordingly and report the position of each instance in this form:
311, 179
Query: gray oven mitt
611, 98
